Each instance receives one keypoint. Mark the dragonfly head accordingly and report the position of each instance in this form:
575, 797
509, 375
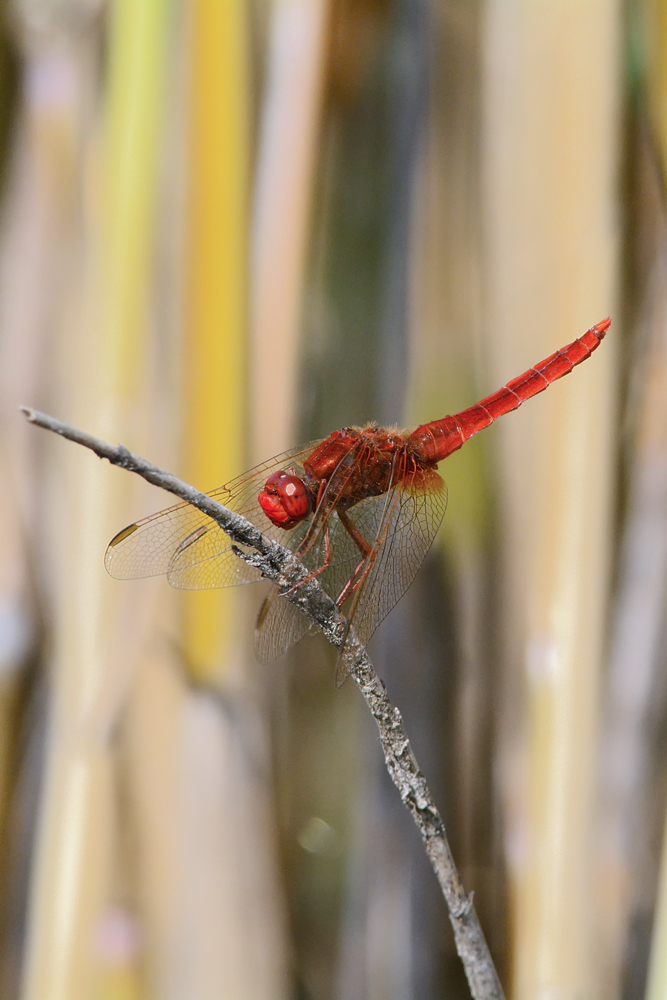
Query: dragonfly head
285, 500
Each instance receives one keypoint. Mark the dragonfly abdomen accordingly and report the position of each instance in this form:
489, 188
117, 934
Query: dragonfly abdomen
434, 441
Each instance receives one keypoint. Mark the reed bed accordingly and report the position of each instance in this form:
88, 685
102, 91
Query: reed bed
226, 228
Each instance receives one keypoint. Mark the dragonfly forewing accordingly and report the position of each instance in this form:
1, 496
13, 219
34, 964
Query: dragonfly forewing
188, 546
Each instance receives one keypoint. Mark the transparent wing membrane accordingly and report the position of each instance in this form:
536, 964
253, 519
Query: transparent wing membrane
280, 625
405, 527
188, 546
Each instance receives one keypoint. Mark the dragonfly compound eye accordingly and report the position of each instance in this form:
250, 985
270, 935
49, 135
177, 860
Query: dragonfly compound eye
285, 500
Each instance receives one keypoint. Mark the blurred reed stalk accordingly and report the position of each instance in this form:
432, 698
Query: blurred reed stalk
152, 858
649, 511
289, 130
447, 373
346, 899
19, 370
35, 202
656, 987
632, 768
207, 857
216, 300
637, 681
550, 143
99, 352
286, 154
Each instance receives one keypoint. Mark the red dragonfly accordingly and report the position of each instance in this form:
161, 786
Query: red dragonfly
359, 509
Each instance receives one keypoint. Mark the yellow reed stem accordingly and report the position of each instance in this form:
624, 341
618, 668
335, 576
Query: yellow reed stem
133, 123
214, 443
551, 134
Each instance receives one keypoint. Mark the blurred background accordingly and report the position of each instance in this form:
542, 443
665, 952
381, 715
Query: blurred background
228, 226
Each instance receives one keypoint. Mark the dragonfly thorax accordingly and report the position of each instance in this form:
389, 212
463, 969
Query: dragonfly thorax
356, 463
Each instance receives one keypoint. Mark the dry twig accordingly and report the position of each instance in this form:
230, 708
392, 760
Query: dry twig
279, 565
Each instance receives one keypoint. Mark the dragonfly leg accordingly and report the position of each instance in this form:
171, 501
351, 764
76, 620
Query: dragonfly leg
354, 534
310, 536
350, 586
326, 563
365, 550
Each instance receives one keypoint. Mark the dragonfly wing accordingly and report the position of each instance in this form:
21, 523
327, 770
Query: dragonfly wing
205, 561
189, 546
169, 539
279, 626
402, 524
